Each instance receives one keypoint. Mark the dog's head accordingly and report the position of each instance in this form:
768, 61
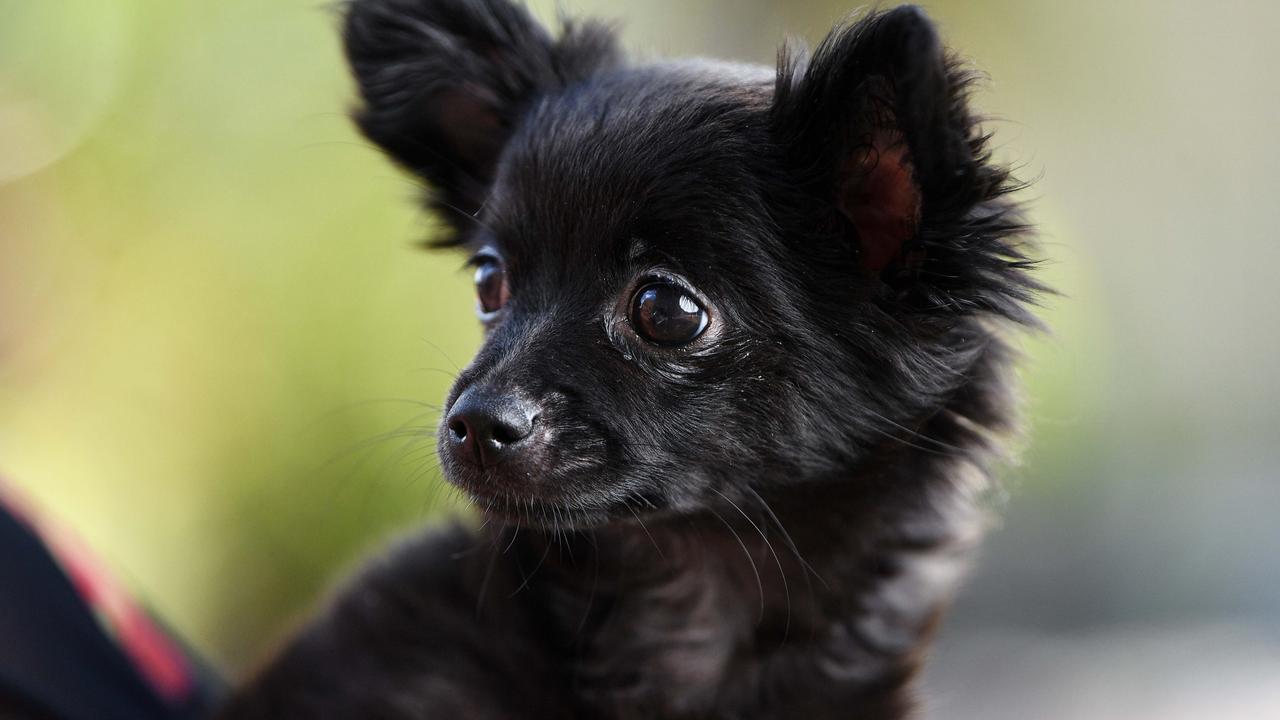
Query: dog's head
697, 279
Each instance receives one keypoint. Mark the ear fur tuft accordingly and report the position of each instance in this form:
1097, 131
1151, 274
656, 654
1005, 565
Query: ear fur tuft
443, 83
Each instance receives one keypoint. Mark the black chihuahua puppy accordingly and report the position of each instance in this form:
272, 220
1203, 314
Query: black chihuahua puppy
743, 385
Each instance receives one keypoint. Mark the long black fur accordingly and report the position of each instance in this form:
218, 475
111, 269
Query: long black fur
766, 523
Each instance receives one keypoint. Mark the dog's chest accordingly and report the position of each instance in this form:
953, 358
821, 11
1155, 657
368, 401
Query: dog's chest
662, 628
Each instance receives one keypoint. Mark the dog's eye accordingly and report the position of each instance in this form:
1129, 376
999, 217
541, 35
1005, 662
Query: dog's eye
664, 314
492, 291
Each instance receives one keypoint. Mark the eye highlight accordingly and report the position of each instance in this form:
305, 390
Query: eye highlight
666, 314
492, 290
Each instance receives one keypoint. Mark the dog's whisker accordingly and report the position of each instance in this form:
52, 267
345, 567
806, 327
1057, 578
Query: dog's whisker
595, 580
488, 574
646, 530
786, 536
913, 433
745, 551
782, 573
527, 578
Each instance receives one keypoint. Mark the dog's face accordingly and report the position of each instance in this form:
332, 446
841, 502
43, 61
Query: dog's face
643, 314
698, 281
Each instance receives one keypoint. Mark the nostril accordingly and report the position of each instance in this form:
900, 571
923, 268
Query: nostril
512, 422
507, 434
458, 429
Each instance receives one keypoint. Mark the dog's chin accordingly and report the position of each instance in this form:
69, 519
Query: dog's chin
502, 499
539, 514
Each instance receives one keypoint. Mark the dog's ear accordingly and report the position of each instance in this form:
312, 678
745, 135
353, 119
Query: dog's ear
444, 82
878, 128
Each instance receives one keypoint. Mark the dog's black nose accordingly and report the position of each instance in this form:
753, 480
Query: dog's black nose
487, 428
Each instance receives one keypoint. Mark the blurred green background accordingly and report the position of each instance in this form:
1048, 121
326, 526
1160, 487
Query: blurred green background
220, 350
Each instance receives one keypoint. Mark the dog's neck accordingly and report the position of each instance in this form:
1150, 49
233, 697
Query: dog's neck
838, 584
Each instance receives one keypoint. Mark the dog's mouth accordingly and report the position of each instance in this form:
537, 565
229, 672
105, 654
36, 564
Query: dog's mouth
534, 490
547, 505
545, 484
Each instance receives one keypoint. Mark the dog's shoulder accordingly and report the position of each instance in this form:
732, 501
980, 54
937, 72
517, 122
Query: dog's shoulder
412, 633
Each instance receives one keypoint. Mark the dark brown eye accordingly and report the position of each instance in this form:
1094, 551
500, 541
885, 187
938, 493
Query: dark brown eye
664, 314
491, 285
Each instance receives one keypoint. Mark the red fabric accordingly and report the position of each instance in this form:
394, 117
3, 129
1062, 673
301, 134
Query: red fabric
157, 659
